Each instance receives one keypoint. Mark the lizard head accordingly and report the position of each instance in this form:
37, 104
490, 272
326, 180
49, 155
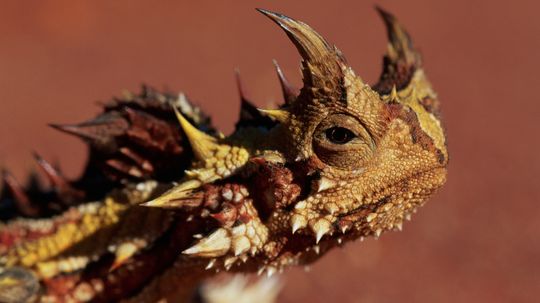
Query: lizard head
340, 160
374, 154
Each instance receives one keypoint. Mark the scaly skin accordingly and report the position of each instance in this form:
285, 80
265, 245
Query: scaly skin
337, 162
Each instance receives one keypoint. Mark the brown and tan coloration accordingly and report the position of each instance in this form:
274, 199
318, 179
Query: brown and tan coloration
339, 161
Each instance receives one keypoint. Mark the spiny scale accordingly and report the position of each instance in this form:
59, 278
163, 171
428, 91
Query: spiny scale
202, 144
22, 201
289, 91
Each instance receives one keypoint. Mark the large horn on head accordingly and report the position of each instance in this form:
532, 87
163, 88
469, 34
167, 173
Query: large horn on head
321, 61
401, 61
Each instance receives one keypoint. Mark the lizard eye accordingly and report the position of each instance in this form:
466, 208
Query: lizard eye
339, 135
341, 140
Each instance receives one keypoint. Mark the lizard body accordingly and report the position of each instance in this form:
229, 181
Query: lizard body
338, 161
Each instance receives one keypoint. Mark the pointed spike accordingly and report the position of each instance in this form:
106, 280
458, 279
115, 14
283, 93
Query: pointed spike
300, 205
324, 183
378, 232
370, 217
215, 245
393, 94
289, 92
54, 176
309, 43
175, 196
408, 217
241, 245
297, 222
202, 144
317, 249
75, 130
321, 227
399, 226
401, 59
123, 253
229, 262
322, 62
210, 264
280, 115
401, 46
22, 201
98, 131
239, 86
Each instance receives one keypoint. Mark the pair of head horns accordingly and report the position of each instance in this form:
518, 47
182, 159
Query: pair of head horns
323, 63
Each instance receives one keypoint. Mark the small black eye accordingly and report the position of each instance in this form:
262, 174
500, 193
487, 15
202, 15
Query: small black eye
339, 135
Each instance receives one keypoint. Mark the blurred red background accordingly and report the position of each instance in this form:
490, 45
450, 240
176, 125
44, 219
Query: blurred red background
477, 240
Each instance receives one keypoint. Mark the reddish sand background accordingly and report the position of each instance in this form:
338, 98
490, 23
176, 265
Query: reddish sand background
478, 240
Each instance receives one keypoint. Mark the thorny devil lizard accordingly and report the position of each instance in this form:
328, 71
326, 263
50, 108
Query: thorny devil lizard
178, 202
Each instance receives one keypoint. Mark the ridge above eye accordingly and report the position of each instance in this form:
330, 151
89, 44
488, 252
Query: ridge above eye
339, 135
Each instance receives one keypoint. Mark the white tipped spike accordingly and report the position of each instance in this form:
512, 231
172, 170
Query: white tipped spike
241, 245
339, 241
300, 205
215, 245
297, 222
123, 253
229, 262
324, 183
399, 226
371, 216
317, 249
408, 217
321, 228
210, 264
378, 232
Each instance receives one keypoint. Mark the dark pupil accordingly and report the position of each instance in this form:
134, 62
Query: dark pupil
339, 135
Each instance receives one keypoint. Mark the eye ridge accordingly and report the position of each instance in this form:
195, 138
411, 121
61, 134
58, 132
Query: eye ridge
339, 135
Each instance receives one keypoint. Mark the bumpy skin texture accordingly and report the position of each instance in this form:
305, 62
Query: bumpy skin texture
338, 161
